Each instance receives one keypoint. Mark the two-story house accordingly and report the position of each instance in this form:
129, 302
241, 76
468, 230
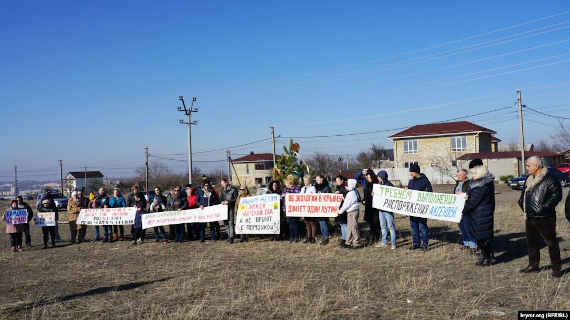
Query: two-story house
89, 181
441, 144
253, 170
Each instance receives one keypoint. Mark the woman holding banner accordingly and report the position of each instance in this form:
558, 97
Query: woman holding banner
275, 188
322, 186
293, 222
351, 205
14, 230
480, 207
49, 231
74, 206
243, 193
117, 201
177, 202
340, 182
386, 218
371, 213
310, 223
158, 204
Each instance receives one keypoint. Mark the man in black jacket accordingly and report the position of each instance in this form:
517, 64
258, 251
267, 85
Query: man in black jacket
228, 196
540, 195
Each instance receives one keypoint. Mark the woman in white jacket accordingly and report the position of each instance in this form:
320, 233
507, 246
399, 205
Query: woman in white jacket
351, 205
310, 222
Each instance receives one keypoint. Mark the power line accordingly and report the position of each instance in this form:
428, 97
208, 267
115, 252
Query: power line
546, 114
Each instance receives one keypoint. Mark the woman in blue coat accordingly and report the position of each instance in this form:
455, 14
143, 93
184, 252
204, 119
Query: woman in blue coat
480, 206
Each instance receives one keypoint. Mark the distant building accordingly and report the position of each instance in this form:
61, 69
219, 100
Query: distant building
252, 170
441, 144
506, 163
565, 156
87, 180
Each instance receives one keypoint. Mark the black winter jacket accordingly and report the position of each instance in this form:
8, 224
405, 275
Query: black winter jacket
568, 206
541, 200
480, 205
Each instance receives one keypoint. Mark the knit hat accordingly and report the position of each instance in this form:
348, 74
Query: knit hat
351, 184
415, 167
475, 163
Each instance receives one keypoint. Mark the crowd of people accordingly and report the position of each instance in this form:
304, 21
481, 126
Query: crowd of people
538, 200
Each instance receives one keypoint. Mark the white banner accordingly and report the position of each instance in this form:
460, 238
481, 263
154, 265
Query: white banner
107, 216
259, 215
431, 205
207, 214
44, 219
317, 205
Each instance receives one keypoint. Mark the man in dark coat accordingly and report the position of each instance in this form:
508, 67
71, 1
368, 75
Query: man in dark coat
341, 219
538, 200
177, 202
229, 195
462, 186
480, 209
322, 186
421, 183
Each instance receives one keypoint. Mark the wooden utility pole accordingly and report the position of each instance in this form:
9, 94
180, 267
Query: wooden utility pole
273, 141
229, 158
146, 168
61, 175
85, 181
521, 124
16, 191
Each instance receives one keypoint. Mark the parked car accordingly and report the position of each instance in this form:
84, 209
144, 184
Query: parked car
263, 189
518, 182
564, 167
59, 199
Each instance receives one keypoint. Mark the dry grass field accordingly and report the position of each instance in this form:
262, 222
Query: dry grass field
261, 279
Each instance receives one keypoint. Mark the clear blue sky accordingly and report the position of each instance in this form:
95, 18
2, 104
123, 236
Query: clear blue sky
92, 83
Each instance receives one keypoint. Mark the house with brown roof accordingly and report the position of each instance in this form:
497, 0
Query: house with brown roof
505, 163
88, 181
252, 170
441, 144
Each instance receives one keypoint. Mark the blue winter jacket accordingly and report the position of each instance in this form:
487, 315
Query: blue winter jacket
421, 184
385, 181
117, 202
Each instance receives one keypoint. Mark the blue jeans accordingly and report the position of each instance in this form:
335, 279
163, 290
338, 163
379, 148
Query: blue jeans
324, 224
97, 234
108, 232
293, 228
160, 233
465, 228
387, 222
201, 227
421, 224
343, 231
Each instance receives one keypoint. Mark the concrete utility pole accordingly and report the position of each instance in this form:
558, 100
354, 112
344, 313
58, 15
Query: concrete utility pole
520, 106
189, 123
229, 166
61, 175
146, 168
273, 140
16, 192
85, 181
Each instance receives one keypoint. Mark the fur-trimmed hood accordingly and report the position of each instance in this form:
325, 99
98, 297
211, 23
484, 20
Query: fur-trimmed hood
533, 181
486, 178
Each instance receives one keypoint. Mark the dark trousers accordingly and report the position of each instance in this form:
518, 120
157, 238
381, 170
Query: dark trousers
214, 230
190, 232
49, 232
16, 239
73, 231
486, 247
293, 228
311, 227
27, 233
108, 232
138, 233
201, 230
159, 233
374, 223
119, 230
419, 225
179, 230
81, 233
544, 228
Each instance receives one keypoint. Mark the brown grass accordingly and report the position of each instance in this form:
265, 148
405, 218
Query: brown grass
277, 280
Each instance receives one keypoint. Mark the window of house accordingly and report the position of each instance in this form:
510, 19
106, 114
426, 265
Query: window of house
267, 180
264, 165
458, 143
410, 146
258, 181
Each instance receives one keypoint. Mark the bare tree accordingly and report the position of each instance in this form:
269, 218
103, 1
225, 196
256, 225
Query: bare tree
363, 159
561, 138
543, 146
325, 164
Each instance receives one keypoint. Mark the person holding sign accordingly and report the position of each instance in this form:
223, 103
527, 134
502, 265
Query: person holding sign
340, 187
310, 223
461, 187
207, 196
229, 196
117, 201
158, 204
23, 205
421, 183
275, 188
322, 186
293, 222
371, 213
386, 218
351, 206
48, 231
243, 193
177, 202
480, 209
15, 230
74, 206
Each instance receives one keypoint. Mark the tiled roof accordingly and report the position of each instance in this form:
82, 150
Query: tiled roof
254, 157
503, 155
495, 139
83, 174
441, 128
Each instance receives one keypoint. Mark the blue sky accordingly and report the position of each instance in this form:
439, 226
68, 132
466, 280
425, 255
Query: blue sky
92, 83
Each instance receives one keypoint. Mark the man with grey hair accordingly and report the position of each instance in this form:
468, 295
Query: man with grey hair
538, 200
462, 186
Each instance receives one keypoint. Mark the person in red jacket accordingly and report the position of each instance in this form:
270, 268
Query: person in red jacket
192, 204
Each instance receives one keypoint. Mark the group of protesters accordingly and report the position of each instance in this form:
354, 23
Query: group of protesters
541, 194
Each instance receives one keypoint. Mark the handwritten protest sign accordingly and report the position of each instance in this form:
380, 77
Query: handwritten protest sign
107, 216
431, 205
17, 216
44, 219
258, 215
312, 205
207, 214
